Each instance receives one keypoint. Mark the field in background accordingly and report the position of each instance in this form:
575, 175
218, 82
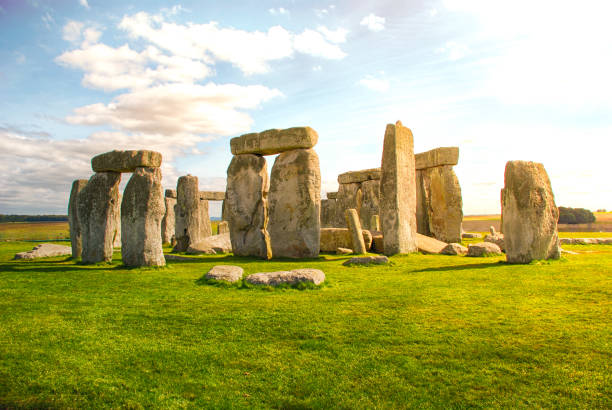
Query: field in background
44, 231
481, 223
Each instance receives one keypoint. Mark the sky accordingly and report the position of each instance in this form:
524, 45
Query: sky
520, 80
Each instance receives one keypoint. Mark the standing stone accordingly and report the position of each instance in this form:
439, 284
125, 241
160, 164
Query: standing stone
73, 218
349, 196
354, 226
117, 234
529, 213
328, 213
206, 228
295, 205
142, 210
422, 198
397, 190
222, 228
444, 203
97, 207
370, 204
375, 223
188, 217
168, 221
246, 206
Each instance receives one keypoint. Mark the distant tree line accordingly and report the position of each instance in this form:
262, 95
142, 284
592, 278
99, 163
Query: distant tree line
33, 218
575, 216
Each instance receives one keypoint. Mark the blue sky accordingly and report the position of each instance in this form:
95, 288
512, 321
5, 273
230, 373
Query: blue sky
501, 80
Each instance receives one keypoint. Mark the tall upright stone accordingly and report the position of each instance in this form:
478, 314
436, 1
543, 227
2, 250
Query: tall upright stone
168, 221
398, 191
529, 213
294, 204
206, 228
188, 217
349, 197
328, 213
73, 218
97, 207
370, 203
142, 210
354, 226
246, 206
443, 203
117, 234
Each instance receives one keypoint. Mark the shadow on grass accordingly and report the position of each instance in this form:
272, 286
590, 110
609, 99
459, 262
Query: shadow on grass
465, 267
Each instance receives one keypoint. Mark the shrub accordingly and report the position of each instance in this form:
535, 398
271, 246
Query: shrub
575, 215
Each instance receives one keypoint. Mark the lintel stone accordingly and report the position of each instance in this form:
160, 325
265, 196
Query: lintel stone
359, 176
212, 195
125, 161
274, 141
437, 157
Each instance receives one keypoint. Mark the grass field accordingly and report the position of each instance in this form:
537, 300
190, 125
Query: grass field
427, 331
34, 231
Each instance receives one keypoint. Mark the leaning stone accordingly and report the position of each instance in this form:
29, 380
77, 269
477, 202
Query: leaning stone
454, 249
168, 221
73, 218
294, 205
45, 250
142, 210
437, 157
246, 208
125, 161
226, 273
222, 227
497, 239
332, 195
529, 213
370, 203
274, 141
427, 244
354, 226
188, 213
170, 193
343, 251
212, 195
398, 191
217, 243
367, 260
97, 208
334, 238
483, 249
292, 277
470, 235
359, 176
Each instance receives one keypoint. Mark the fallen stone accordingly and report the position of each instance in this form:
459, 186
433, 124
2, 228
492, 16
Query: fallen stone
274, 141
354, 226
454, 249
367, 260
437, 157
470, 235
343, 251
359, 176
211, 245
497, 239
73, 218
170, 193
212, 195
428, 244
45, 250
334, 238
226, 273
483, 249
292, 277
125, 161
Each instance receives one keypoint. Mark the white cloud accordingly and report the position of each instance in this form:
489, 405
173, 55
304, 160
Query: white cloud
374, 83
48, 20
279, 10
335, 36
72, 31
84, 3
454, 50
373, 22
314, 43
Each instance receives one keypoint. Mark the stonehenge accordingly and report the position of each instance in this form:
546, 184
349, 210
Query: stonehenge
187, 213
168, 221
282, 220
73, 218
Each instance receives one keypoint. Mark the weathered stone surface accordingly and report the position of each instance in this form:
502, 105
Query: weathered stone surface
222, 227
73, 218
443, 203
212, 195
427, 244
497, 239
246, 206
142, 210
294, 205
470, 235
227, 273
292, 277
529, 212
349, 196
454, 249
422, 207
354, 226
97, 207
375, 223
334, 238
274, 141
125, 161
398, 191
168, 221
188, 213
343, 251
483, 249
170, 193
332, 195
211, 245
359, 176
45, 250
117, 234
328, 213
367, 260
437, 157
586, 241
370, 204
205, 226
378, 242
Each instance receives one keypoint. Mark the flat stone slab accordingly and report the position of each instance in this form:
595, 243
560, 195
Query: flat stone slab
227, 273
428, 244
292, 277
334, 238
274, 141
343, 251
437, 157
126, 161
211, 245
359, 176
470, 235
367, 260
45, 250
484, 249
332, 195
212, 195
585, 241
454, 249
170, 193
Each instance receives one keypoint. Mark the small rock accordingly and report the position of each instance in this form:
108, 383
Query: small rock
228, 273
367, 260
497, 239
483, 249
470, 235
454, 249
45, 250
292, 277
343, 251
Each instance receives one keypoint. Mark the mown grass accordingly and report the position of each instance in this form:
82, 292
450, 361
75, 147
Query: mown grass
426, 331
16, 231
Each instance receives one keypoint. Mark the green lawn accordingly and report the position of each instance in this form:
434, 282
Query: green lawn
427, 331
